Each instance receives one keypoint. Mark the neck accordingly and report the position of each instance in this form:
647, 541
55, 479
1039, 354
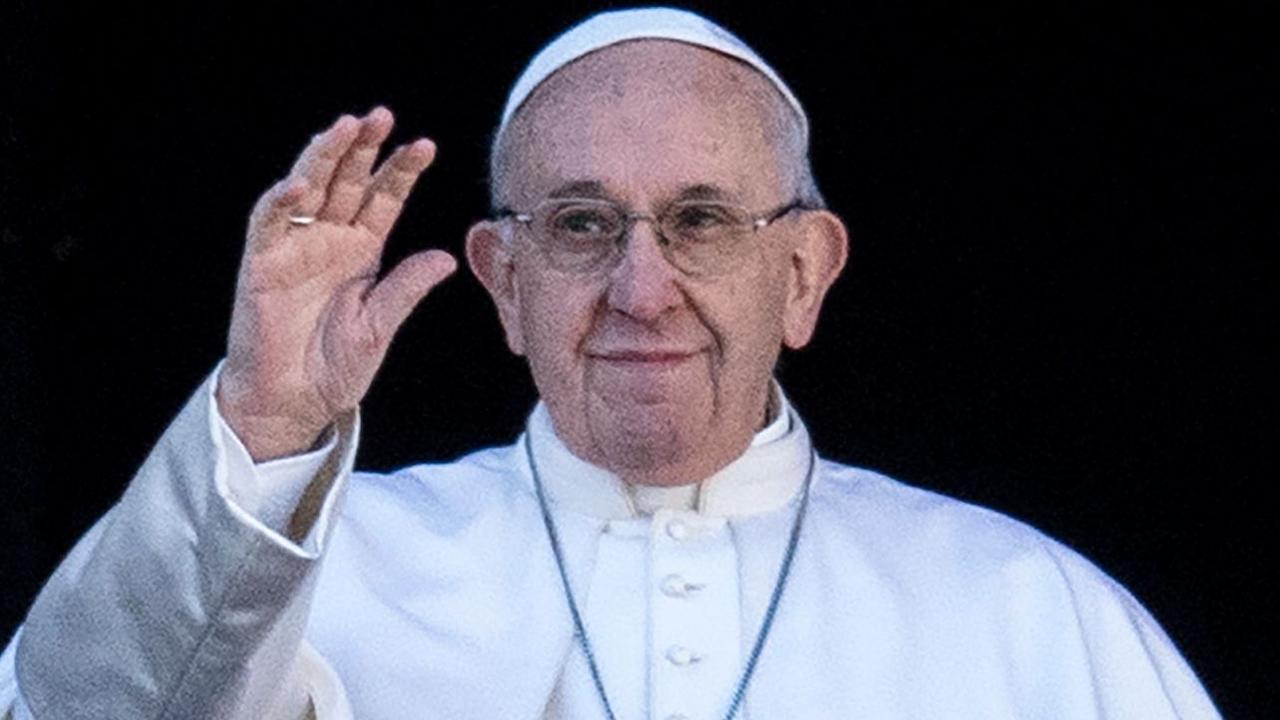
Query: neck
675, 474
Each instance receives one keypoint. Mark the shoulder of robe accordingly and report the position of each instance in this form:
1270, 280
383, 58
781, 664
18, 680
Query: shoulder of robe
438, 497
922, 533
979, 579
469, 483
431, 540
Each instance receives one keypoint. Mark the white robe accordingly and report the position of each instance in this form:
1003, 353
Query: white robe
433, 592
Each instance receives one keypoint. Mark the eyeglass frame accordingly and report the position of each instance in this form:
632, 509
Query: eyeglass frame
757, 222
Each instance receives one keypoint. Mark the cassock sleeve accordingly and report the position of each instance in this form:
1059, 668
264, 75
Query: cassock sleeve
188, 599
1137, 671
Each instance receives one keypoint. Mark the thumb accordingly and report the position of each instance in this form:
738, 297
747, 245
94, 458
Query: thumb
391, 301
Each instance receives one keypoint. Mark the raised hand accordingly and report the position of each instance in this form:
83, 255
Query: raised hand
311, 323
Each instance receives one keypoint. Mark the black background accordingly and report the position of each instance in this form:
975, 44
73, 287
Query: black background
1054, 305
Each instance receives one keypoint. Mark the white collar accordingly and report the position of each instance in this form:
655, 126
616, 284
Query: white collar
765, 477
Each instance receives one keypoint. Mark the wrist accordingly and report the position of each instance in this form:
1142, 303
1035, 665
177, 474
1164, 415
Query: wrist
272, 438
266, 429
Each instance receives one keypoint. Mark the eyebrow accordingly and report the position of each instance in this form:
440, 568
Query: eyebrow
580, 188
704, 191
596, 189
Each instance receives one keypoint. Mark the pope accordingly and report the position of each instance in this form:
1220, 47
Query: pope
661, 542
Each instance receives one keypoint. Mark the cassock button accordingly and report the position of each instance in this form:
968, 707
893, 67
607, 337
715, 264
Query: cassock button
677, 587
680, 656
678, 529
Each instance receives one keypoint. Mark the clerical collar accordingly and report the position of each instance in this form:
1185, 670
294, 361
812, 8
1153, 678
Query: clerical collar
765, 477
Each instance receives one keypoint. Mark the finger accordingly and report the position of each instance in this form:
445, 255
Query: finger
391, 186
270, 217
391, 301
320, 159
351, 177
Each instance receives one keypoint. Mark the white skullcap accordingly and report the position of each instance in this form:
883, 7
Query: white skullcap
659, 23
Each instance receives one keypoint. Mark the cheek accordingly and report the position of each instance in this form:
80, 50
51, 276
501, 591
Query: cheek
758, 338
750, 330
554, 319
748, 313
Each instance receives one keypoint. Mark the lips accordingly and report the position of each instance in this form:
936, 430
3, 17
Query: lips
642, 356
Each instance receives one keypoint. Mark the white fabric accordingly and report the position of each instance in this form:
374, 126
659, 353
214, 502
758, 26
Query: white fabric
12, 706
648, 499
655, 23
174, 586
438, 597
266, 494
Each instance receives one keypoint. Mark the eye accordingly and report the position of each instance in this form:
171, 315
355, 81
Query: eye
583, 221
698, 219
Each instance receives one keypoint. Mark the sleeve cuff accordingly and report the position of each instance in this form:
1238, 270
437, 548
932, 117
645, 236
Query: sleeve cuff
266, 496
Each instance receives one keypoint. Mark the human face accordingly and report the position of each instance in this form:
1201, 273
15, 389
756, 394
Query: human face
657, 375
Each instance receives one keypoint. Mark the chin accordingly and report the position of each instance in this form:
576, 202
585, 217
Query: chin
646, 436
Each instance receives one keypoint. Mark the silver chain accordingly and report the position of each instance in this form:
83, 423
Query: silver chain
580, 631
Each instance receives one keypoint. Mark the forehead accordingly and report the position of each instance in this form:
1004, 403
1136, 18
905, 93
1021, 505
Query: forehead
643, 118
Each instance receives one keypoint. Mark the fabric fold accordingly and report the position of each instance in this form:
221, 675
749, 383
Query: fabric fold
177, 591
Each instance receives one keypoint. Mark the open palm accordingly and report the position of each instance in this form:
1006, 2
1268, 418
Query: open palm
311, 321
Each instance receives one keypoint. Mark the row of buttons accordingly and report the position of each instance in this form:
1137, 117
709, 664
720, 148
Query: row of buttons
676, 586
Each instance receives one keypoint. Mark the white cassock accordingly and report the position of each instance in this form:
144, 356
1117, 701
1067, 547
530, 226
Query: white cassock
433, 593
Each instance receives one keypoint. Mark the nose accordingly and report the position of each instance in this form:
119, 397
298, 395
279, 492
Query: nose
643, 283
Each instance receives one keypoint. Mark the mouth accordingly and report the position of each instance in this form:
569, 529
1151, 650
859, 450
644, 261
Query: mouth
643, 358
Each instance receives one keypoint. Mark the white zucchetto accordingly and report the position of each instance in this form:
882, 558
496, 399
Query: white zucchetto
656, 23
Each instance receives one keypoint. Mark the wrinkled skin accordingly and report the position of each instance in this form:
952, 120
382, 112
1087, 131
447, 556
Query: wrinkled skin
659, 376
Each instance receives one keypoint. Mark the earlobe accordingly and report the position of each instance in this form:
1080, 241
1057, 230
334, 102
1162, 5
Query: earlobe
491, 261
816, 261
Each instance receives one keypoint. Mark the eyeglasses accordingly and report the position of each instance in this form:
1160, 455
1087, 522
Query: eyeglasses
698, 237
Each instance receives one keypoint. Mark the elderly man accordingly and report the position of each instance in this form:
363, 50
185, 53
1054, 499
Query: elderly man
661, 542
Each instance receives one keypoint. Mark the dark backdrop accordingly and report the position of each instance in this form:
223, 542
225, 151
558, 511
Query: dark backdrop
1054, 306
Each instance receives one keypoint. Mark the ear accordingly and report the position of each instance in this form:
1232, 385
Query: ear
489, 253
817, 257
